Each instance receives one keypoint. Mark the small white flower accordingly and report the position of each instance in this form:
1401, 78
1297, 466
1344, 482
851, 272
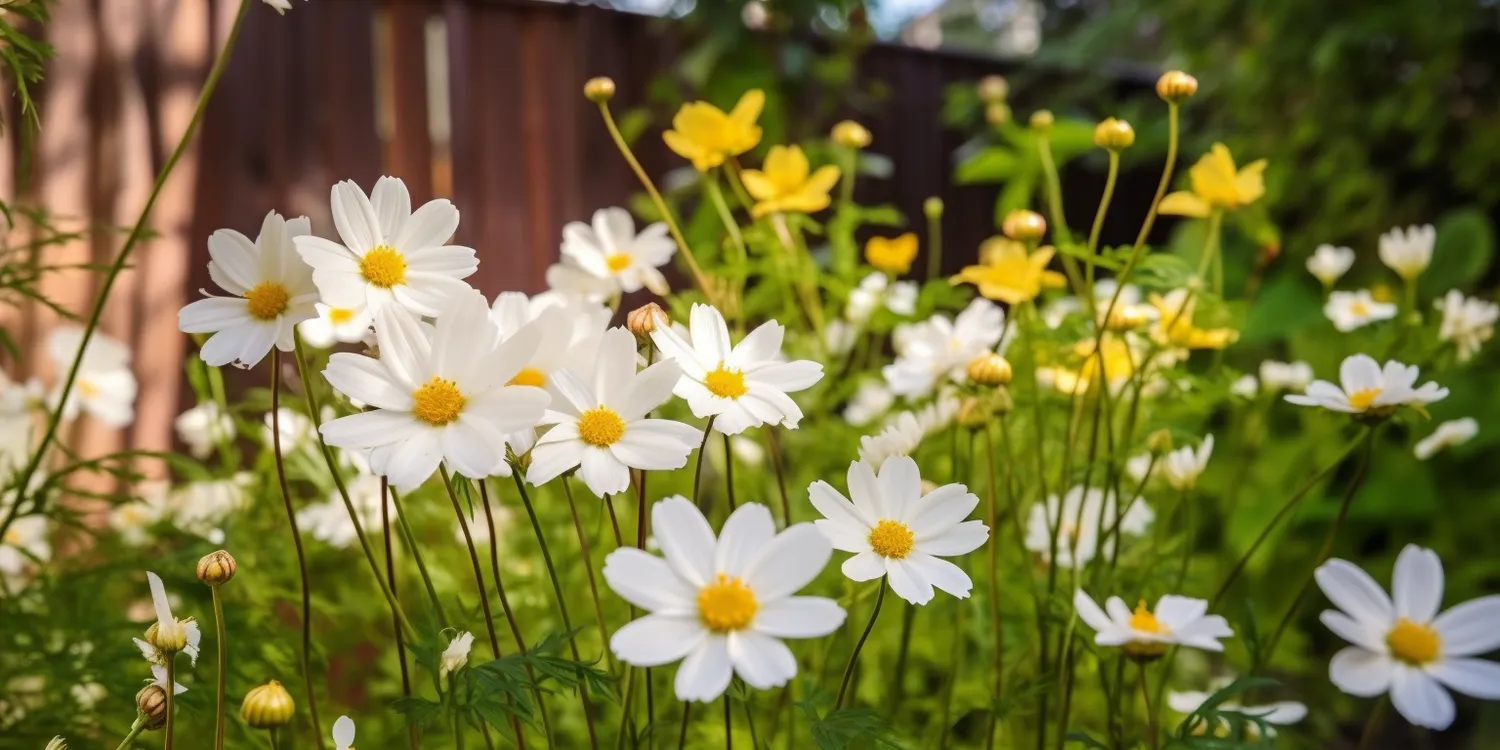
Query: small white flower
203, 427
1468, 322
105, 388
876, 290
1286, 376
25, 542
721, 605
1280, 713
1182, 467
1402, 645
297, 431
159, 679
456, 655
1369, 389
1328, 263
131, 519
343, 734
870, 400
1078, 527
898, 531
904, 432
939, 349
391, 255
1351, 310
611, 250
168, 627
1245, 386
1408, 252
600, 423
1448, 434
1146, 633
567, 280
335, 325
329, 520
199, 507
742, 386
839, 336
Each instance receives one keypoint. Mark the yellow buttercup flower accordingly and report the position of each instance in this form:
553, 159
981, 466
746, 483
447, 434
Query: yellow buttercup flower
1007, 273
1217, 185
892, 255
786, 183
1174, 324
706, 135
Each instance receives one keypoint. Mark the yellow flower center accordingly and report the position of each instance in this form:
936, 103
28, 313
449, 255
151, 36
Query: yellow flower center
13, 538
1413, 643
437, 402
725, 383
601, 426
1362, 398
340, 315
383, 267
891, 539
87, 389
726, 604
529, 376
1359, 308
617, 262
1145, 622
267, 300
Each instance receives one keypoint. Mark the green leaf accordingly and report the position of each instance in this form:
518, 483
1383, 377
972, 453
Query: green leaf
417, 710
1284, 306
852, 727
1085, 739
990, 164
1463, 252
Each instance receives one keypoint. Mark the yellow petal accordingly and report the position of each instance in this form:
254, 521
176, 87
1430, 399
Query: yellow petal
1000, 293
687, 149
823, 180
747, 110
700, 122
758, 184
805, 201
1053, 280
1183, 203
1251, 183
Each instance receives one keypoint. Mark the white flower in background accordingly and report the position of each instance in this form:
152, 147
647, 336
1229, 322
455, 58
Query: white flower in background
600, 423
1182, 467
939, 349
442, 399
1245, 386
1286, 376
565, 280
1350, 310
610, 249
131, 519
329, 520
159, 679
869, 401
721, 605
839, 336
202, 428
1402, 645
1328, 264
905, 431
199, 507
168, 627
390, 254
742, 386
1468, 322
335, 325
747, 451
297, 430
343, 734
876, 290
57, 743
1408, 252
898, 531
1369, 389
273, 292
24, 545
456, 655
1078, 527
88, 694
105, 388
1140, 468
1448, 434
16, 425
1146, 633
1280, 713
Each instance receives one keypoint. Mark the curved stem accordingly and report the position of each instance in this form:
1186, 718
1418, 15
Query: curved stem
908, 619
934, 247
510, 615
1109, 194
416, 555
1059, 222
992, 576
390, 573
643, 514
484, 596
773, 443
708, 429
1211, 245
588, 568
860, 644
135, 731
223, 665
729, 472
171, 692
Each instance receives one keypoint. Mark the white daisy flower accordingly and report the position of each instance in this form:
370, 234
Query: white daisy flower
1468, 322
742, 386
898, 531
1280, 713
1328, 263
273, 292
600, 424
876, 290
939, 349
105, 388
297, 430
1402, 645
456, 655
25, 542
1448, 434
566, 280
202, 428
1245, 386
1350, 310
610, 249
390, 254
721, 605
839, 336
343, 734
869, 401
438, 399
1182, 467
1368, 389
904, 432
159, 679
131, 519
1286, 376
1408, 252
1078, 529
335, 325
1146, 633
329, 520
168, 627
199, 507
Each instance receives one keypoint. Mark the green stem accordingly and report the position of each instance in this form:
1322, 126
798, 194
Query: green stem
934, 247
510, 615
484, 596
1153, 734
860, 644
416, 555
728, 723
223, 665
1211, 244
992, 575
412, 741
588, 568
1109, 194
741, 259
1058, 221
908, 619
729, 472
171, 692
687, 712
708, 430
1372, 727
773, 445
135, 731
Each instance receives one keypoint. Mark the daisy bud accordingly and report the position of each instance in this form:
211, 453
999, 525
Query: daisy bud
993, 89
1175, 85
151, 701
975, 412
1041, 121
990, 370
1114, 134
647, 318
170, 639
851, 134
1160, 442
267, 706
933, 208
57, 743
1002, 403
997, 113
216, 568
1024, 225
599, 90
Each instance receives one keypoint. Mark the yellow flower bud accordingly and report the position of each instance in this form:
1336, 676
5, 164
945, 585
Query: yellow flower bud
267, 706
993, 89
1024, 225
599, 90
989, 369
997, 113
975, 412
1175, 85
171, 639
216, 568
151, 702
892, 255
1160, 442
1114, 134
933, 208
850, 134
1041, 121
646, 318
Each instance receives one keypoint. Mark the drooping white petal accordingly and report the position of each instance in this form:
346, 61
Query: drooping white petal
705, 673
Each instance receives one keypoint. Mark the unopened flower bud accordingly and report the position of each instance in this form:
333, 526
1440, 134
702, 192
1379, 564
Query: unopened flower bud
993, 89
1160, 442
1041, 121
997, 113
933, 208
1001, 401
1114, 134
975, 412
1024, 225
599, 90
268, 706
170, 639
151, 701
57, 743
216, 568
647, 318
990, 370
1175, 85
850, 134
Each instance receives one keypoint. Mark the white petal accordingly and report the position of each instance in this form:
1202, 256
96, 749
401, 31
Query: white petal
413, 460
865, 566
213, 314
760, 345
837, 509
686, 539
159, 600
705, 673
429, 226
792, 560
343, 732
1420, 699
908, 582
602, 472
1352, 631
550, 458
1477, 678
646, 581
864, 491
1359, 372
942, 574
1177, 612
656, 639
1417, 584
1470, 628
354, 218
233, 264
844, 537
364, 379
1359, 672
656, 444
761, 661
800, 617
370, 429
745, 535
1354, 591
472, 447
648, 389
958, 540
710, 334
1089, 611
900, 485
392, 205
940, 510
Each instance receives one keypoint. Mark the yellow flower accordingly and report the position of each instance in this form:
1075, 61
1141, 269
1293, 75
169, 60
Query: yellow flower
1115, 360
1008, 274
785, 184
1174, 324
892, 255
1216, 185
705, 135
